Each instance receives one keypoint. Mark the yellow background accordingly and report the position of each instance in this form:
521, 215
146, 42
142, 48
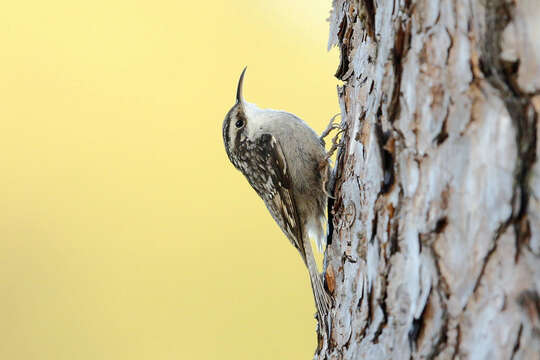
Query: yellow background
124, 231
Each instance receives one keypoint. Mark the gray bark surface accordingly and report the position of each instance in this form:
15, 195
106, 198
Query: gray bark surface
435, 243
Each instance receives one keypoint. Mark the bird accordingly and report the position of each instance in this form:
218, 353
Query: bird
286, 163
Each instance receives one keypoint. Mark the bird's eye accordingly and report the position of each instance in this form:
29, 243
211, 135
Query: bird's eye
239, 123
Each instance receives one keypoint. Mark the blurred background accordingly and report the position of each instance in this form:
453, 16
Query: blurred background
124, 231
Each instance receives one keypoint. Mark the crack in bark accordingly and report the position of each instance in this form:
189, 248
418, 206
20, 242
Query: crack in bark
374, 224
369, 307
443, 292
362, 333
344, 37
402, 45
383, 323
529, 301
443, 134
387, 158
518, 342
394, 236
442, 340
501, 230
369, 19
458, 342
344, 51
418, 326
382, 305
429, 237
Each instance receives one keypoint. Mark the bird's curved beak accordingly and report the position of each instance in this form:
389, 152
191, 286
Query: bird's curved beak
239, 96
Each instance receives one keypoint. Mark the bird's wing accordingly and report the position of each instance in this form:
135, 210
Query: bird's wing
280, 199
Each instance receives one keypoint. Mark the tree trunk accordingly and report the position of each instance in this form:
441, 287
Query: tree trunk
435, 229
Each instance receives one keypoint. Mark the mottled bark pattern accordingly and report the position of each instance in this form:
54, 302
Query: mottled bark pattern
435, 250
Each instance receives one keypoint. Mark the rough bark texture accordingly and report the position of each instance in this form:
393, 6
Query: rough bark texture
435, 245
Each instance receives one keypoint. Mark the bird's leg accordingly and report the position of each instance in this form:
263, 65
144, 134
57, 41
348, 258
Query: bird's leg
331, 126
337, 142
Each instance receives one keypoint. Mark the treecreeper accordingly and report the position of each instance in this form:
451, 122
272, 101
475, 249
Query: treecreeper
286, 163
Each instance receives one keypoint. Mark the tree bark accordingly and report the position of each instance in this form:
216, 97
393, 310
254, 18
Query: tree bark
434, 250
